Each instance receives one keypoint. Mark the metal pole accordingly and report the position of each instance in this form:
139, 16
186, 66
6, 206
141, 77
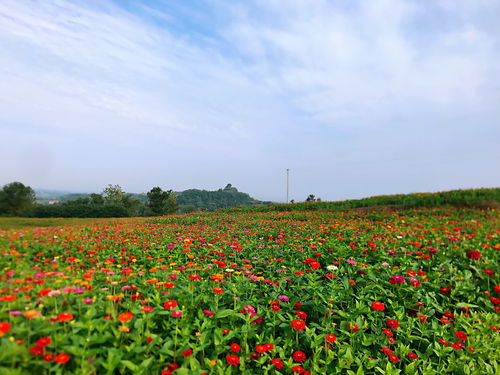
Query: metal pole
287, 170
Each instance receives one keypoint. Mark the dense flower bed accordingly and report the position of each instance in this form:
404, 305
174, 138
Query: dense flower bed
412, 292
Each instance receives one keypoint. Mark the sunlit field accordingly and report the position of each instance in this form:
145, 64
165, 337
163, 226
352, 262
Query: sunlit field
403, 292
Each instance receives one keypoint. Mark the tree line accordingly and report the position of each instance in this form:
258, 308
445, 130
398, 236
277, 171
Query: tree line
16, 199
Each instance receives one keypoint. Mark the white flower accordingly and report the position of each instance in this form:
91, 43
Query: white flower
331, 267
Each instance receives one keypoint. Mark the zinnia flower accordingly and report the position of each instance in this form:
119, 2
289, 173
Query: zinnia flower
461, 335
299, 356
62, 358
233, 360
125, 317
379, 306
170, 305
330, 338
474, 254
392, 323
298, 324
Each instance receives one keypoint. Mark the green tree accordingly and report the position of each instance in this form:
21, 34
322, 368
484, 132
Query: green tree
16, 199
113, 194
162, 202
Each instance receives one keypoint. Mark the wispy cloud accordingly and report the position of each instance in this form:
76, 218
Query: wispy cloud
240, 90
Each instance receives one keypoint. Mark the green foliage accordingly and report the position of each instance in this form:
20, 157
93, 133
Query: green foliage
16, 199
312, 198
204, 200
162, 202
475, 198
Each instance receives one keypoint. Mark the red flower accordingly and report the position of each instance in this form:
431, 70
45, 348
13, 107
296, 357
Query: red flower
260, 349
64, 317
298, 324
235, 347
393, 358
43, 341
353, 327
392, 323
233, 359
474, 254
387, 332
299, 356
49, 357
379, 306
297, 369
444, 290
170, 305
301, 314
218, 290
330, 337
269, 346
62, 358
4, 328
187, 352
412, 355
461, 335
37, 350
278, 363
386, 351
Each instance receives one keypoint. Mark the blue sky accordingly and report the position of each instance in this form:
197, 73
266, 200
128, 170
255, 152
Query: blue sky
356, 98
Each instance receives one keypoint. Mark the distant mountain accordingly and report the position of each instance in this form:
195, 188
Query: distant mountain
189, 200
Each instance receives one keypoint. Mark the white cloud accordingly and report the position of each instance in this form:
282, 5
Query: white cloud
311, 85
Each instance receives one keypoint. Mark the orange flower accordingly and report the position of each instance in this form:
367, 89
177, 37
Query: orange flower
124, 329
30, 314
125, 317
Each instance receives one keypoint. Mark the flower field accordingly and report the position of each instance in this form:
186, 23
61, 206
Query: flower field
410, 292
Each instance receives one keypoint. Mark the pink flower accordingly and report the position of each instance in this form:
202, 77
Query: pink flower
176, 313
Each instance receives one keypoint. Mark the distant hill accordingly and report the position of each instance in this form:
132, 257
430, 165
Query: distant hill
189, 200
212, 200
473, 198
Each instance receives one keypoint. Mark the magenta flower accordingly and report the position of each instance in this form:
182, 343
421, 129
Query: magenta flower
397, 279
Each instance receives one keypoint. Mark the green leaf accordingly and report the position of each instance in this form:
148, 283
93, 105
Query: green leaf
224, 313
130, 365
